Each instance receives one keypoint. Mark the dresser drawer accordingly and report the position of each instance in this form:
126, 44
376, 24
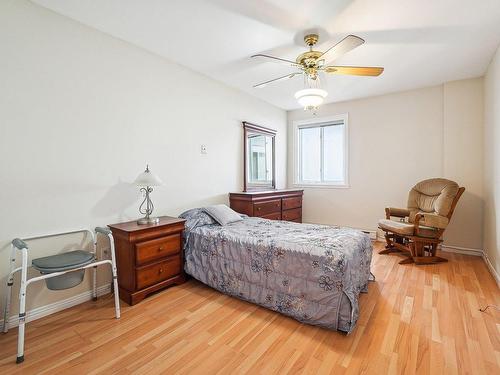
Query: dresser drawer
294, 202
268, 207
157, 272
292, 215
273, 216
158, 248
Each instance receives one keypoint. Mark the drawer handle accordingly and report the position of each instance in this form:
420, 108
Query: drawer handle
160, 248
258, 208
160, 270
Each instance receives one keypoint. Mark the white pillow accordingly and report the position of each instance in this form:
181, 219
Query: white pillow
222, 214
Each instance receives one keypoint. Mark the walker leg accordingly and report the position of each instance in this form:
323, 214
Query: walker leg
94, 282
22, 307
115, 277
6, 308
117, 298
94, 272
8, 293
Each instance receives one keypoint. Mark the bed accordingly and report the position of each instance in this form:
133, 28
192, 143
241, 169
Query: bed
312, 273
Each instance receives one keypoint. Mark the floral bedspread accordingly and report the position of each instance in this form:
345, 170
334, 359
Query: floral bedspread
313, 273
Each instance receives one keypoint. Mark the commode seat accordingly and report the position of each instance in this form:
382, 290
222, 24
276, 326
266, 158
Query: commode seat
64, 262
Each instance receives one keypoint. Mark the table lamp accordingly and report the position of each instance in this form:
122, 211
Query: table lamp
146, 180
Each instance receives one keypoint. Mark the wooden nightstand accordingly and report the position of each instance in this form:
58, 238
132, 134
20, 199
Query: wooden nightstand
148, 257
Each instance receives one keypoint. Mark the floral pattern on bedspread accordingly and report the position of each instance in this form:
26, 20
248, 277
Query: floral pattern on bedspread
305, 271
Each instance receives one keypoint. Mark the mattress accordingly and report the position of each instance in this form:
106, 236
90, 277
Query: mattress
312, 273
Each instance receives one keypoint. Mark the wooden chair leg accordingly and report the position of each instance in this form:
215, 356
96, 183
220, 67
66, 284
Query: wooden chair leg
418, 250
420, 256
429, 260
388, 240
434, 249
389, 248
409, 258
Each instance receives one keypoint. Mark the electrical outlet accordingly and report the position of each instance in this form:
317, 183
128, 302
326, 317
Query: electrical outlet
204, 149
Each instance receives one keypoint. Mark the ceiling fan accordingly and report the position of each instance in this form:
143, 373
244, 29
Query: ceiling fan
312, 62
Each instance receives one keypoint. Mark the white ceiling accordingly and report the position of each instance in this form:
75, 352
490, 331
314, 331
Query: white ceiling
419, 42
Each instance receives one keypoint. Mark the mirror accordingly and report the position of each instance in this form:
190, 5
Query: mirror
259, 142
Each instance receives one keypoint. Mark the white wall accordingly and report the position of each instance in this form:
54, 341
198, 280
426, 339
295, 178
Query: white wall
397, 140
463, 124
80, 115
492, 163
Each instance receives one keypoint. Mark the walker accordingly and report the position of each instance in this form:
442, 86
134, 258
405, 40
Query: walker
61, 271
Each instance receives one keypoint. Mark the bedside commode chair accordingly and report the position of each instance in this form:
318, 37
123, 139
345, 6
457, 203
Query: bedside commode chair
420, 227
62, 271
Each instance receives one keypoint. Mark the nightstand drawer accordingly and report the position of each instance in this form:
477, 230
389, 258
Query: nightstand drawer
148, 251
292, 215
155, 273
294, 202
266, 208
273, 216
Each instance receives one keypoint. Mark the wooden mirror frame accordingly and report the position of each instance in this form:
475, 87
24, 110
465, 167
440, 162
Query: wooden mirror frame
248, 127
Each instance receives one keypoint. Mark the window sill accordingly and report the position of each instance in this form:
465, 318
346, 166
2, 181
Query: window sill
322, 186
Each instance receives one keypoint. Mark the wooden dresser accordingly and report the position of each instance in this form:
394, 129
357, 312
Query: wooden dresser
273, 204
148, 257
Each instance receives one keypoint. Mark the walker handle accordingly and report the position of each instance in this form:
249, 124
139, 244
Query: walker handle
102, 230
19, 243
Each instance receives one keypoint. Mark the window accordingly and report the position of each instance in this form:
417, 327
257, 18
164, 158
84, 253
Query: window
321, 152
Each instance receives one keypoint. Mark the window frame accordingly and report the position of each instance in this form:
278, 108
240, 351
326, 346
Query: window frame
312, 123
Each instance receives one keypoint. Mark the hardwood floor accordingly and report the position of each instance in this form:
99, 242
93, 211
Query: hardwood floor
414, 320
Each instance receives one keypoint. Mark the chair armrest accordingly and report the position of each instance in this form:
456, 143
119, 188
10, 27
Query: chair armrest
431, 220
397, 212
102, 230
19, 243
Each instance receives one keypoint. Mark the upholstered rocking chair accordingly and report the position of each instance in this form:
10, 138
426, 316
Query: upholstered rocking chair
419, 228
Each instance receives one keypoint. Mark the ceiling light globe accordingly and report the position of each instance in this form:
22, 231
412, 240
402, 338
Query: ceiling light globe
310, 98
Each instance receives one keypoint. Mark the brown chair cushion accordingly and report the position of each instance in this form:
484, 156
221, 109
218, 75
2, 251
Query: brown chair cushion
398, 212
434, 220
399, 227
435, 195
407, 229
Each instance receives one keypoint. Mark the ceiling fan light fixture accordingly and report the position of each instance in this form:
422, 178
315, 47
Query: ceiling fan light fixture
312, 64
310, 98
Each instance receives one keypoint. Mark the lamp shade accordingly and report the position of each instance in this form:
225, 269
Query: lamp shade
147, 178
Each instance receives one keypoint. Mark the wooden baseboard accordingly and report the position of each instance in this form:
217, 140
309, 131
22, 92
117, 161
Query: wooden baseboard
40, 312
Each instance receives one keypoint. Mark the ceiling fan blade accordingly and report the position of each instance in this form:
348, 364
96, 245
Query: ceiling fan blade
262, 84
355, 70
275, 59
345, 45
